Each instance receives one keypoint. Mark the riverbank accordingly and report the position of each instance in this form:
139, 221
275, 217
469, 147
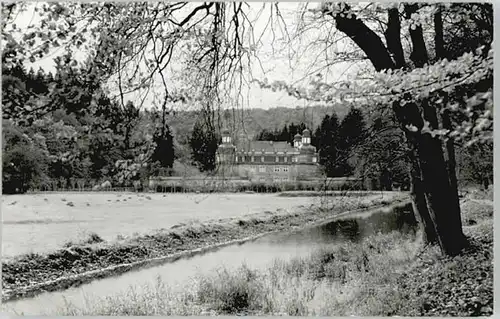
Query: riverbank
383, 275
79, 263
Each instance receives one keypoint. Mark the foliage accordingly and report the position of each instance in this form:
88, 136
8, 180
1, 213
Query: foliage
442, 77
164, 151
81, 139
327, 142
237, 292
476, 164
286, 134
351, 132
204, 143
382, 157
24, 162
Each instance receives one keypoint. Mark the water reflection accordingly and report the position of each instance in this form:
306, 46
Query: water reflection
399, 218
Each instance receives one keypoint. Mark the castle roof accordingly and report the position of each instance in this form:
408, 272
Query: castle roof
267, 146
308, 149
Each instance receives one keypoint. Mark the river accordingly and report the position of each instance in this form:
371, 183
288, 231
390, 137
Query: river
256, 254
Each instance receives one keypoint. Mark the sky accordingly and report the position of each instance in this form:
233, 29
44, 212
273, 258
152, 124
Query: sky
273, 55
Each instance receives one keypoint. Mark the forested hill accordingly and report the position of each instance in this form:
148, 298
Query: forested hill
255, 120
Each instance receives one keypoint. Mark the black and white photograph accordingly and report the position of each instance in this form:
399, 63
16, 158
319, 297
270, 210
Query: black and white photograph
328, 159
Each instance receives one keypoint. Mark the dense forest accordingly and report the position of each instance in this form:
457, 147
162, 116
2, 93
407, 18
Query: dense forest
62, 130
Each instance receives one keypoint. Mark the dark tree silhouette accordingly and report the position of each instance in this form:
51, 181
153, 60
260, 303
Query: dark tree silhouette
350, 133
203, 143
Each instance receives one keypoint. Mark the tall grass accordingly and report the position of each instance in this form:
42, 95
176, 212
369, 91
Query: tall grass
85, 239
336, 280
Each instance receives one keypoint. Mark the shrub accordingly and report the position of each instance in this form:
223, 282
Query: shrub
91, 238
24, 165
230, 292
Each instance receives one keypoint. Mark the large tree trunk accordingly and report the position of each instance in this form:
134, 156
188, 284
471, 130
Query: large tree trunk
367, 40
438, 174
410, 114
419, 203
431, 176
449, 151
451, 162
438, 35
419, 51
393, 38
440, 193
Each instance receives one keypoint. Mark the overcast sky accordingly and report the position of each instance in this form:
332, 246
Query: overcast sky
274, 56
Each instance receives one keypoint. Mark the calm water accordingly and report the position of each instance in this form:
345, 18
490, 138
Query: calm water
257, 254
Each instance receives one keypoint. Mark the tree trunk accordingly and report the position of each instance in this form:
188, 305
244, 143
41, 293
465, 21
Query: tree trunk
431, 177
410, 114
393, 38
419, 204
450, 158
441, 196
451, 162
419, 52
438, 174
367, 40
438, 35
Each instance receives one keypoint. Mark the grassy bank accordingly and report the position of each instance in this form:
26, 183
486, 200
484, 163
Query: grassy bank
78, 263
331, 193
383, 275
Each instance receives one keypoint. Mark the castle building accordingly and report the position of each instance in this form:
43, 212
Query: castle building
268, 161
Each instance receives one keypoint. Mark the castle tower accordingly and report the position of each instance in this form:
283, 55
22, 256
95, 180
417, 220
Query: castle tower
226, 137
307, 151
306, 137
297, 141
225, 154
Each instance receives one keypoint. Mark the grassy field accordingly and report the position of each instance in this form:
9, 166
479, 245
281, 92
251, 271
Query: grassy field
79, 261
384, 275
38, 223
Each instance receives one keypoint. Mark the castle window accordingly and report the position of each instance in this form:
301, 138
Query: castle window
262, 169
276, 169
285, 169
